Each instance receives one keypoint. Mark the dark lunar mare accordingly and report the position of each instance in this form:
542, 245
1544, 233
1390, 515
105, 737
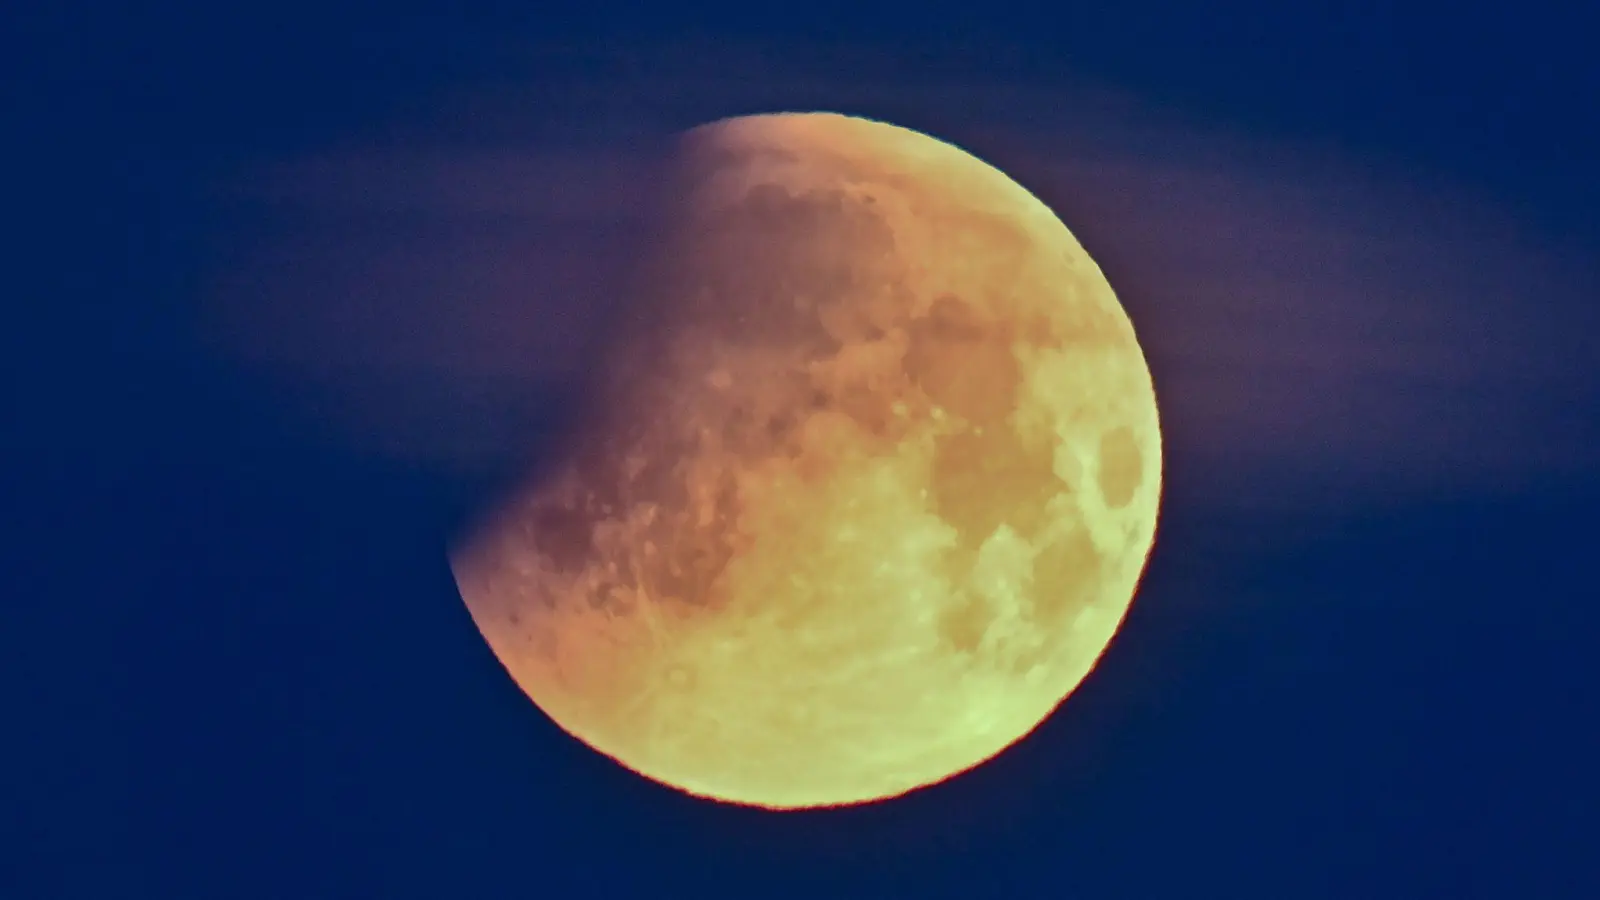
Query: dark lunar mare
760, 275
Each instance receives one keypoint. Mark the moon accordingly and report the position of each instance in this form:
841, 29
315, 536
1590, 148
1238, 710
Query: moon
871, 476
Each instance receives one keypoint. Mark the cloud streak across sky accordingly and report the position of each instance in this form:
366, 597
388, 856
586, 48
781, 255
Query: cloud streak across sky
1320, 329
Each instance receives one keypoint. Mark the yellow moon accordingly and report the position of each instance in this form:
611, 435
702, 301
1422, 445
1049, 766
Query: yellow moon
871, 479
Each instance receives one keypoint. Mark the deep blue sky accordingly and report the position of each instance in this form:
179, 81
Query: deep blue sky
244, 670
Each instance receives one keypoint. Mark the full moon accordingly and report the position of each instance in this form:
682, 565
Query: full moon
870, 479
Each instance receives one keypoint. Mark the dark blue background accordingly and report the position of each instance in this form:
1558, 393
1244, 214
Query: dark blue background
241, 668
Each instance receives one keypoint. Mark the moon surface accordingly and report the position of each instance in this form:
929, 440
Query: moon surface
872, 472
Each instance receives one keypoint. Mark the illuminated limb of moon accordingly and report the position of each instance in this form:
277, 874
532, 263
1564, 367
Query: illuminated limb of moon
873, 483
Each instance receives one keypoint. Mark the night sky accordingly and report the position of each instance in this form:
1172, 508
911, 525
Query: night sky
299, 286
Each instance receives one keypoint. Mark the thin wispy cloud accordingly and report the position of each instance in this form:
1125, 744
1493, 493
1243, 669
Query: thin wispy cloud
1321, 329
